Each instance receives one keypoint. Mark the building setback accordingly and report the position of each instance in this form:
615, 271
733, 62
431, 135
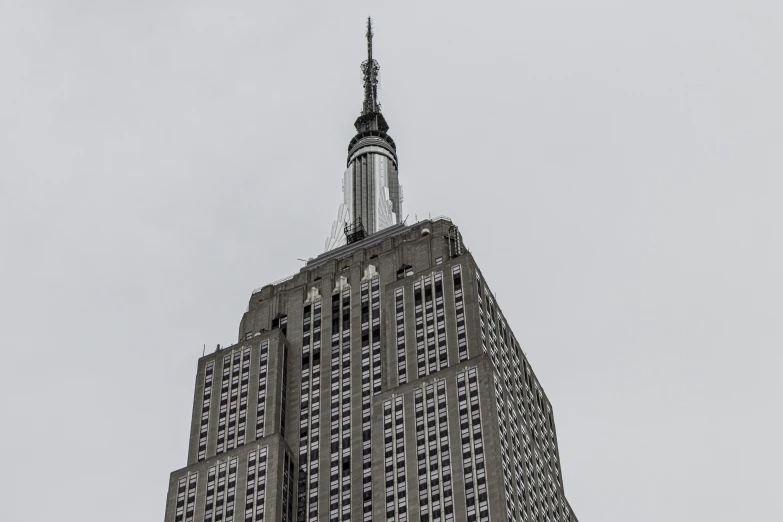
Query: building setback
379, 383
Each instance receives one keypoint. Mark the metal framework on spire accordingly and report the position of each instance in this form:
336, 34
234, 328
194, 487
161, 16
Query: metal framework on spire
354, 231
371, 118
370, 70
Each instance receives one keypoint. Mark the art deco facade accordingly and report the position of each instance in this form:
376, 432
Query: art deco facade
379, 383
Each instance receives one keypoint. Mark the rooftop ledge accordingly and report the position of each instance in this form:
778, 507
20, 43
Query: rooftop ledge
345, 249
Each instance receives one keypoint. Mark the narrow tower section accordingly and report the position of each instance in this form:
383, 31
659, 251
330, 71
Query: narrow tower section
372, 198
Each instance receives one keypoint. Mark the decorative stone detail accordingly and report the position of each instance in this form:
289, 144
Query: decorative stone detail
313, 295
342, 284
370, 272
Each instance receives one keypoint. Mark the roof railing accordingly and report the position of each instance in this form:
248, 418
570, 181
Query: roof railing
441, 218
274, 283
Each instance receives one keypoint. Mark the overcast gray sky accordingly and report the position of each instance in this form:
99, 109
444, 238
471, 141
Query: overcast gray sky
614, 166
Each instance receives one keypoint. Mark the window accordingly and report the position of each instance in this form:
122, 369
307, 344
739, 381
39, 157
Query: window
262, 378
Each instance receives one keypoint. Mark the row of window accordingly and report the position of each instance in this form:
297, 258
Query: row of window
459, 312
263, 367
233, 400
340, 407
233, 404
530, 467
284, 389
506, 404
432, 453
431, 343
488, 317
472, 446
399, 310
255, 492
431, 350
209, 371
371, 379
310, 412
394, 460
186, 497
221, 491
220, 500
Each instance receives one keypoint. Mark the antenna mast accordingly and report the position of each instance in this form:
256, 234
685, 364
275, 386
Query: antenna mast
370, 70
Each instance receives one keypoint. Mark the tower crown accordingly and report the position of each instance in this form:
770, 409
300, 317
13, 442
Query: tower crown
372, 198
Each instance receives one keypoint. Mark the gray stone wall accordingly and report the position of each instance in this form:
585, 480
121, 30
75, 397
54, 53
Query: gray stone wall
420, 249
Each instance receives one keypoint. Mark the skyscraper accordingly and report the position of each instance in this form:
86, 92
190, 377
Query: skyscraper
381, 382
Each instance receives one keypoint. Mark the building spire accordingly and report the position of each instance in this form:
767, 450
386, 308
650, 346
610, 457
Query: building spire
372, 195
371, 117
370, 70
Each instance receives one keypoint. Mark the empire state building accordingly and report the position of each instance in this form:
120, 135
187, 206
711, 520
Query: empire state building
380, 382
